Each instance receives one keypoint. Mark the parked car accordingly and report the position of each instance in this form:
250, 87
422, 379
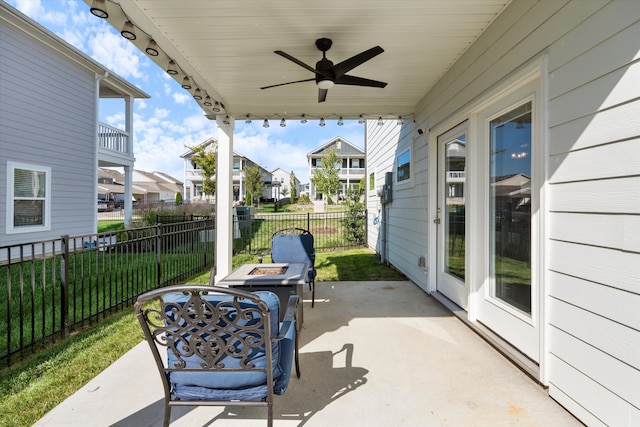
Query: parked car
105, 205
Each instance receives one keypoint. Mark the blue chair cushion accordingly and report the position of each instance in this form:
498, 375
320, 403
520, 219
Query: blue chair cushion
220, 385
294, 248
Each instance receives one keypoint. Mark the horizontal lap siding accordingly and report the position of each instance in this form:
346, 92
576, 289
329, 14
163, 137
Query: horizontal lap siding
594, 217
48, 114
406, 235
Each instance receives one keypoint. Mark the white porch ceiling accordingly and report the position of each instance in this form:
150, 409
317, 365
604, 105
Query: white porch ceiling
227, 48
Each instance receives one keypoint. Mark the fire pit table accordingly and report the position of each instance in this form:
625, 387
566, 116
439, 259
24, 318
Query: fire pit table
283, 279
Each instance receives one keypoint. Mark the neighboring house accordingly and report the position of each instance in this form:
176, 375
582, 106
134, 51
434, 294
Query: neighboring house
351, 165
193, 176
50, 139
148, 187
152, 187
515, 198
283, 178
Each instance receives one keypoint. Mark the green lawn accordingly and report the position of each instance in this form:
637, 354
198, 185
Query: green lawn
37, 384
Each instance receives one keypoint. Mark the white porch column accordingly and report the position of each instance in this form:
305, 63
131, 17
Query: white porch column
128, 169
224, 197
128, 195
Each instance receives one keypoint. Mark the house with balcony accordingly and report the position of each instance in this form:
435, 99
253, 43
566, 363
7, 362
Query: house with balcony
51, 142
193, 180
283, 179
351, 167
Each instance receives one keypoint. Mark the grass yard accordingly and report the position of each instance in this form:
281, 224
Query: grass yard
34, 386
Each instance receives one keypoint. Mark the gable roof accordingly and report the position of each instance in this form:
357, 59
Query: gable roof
345, 148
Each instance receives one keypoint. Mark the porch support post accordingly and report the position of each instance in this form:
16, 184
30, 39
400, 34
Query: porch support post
128, 195
128, 169
224, 195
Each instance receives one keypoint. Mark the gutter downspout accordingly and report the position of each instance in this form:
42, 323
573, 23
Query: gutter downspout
96, 142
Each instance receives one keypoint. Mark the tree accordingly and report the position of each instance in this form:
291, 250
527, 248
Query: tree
253, 183
293, 187
206, 161
178, 198
353, 223
326, 178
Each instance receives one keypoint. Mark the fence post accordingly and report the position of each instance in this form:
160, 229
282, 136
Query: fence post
159, 253
64, 287
366, 227
308, 221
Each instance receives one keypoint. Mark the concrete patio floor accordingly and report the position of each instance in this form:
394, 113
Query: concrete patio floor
372, 354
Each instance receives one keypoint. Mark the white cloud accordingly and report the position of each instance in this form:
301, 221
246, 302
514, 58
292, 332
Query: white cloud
141, 104
116, 53
180, 98
167, 89
161, 113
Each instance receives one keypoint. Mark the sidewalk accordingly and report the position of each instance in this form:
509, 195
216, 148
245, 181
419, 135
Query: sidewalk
372, 354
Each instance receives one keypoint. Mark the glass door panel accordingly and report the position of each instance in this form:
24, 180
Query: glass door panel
510, 208
454, 207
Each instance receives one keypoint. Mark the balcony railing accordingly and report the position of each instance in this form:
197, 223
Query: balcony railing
114, 140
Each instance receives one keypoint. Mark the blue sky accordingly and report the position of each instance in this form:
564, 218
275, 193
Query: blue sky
171, 119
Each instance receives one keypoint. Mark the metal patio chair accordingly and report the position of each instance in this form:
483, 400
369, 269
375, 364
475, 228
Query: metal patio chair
295, 245
218, 346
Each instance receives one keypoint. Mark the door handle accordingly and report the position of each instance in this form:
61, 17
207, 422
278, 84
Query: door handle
436, 221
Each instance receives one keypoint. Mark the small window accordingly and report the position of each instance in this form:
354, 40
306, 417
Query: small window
372, 181
236, 165
403, 166
28, 198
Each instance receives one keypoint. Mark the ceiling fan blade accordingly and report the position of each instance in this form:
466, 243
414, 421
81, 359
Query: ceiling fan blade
322, 94
300, 63
289, 83
349, 64
358, 81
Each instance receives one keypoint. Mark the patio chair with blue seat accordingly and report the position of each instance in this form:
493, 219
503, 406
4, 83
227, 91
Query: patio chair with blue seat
295, 245
218, 346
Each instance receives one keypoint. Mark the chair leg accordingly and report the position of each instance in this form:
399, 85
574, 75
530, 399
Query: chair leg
312, 284
270, 414
167, 415
296, 358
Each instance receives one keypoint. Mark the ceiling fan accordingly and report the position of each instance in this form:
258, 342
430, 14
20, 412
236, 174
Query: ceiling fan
328, 74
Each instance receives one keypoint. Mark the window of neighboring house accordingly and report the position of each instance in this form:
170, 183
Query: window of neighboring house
372, 181
28, 198
236, 165
344, 164
403, 166
198, 188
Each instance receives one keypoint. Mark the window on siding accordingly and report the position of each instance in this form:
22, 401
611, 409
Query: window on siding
236, 165
372, 181
403, 166
28, 197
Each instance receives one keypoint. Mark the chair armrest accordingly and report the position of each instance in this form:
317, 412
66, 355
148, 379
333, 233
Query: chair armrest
289, 317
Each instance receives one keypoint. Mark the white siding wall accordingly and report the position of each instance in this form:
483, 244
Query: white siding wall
47, 116
592, 217
406, 215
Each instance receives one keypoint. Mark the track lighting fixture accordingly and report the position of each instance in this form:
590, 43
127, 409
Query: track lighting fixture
216, 107
399, 120
265, 124
186, 83
247, 120
380, 122
99, 9
171, 68
283, 123
128, 31
207, 101
304, 119
226, 120
152, 48
361, 119
340, 122
322, 121
198, 94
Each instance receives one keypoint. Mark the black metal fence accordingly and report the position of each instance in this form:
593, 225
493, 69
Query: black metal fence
50, 288
331, 230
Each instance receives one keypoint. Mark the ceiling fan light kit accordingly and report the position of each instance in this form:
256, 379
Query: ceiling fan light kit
327, 74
